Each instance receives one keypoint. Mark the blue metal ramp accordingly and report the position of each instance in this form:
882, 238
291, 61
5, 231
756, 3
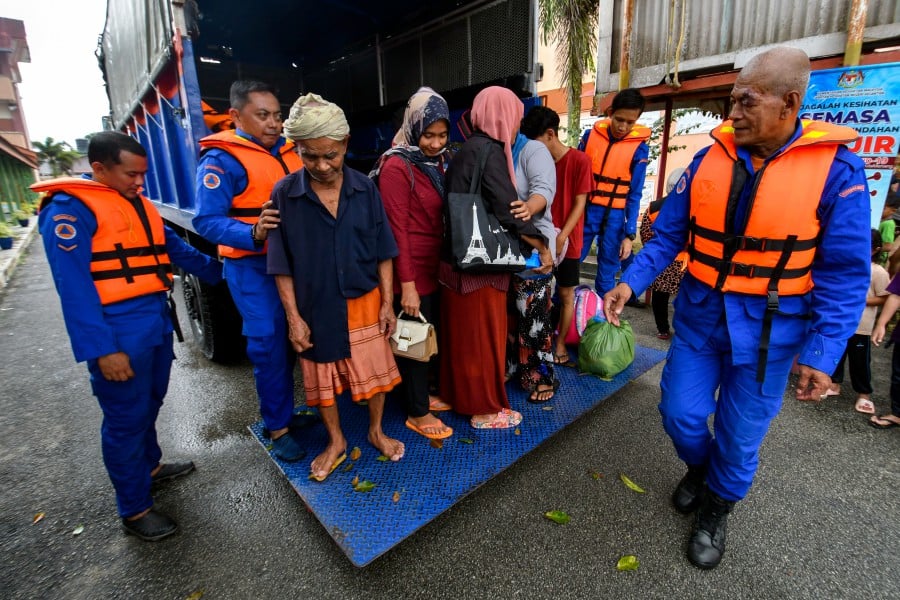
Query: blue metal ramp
427, 481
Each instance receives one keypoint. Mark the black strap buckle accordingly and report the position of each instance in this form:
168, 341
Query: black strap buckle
753, 243
772, 300
741, 269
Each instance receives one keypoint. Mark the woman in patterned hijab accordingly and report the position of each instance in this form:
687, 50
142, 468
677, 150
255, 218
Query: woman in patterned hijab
425, 108
410, 177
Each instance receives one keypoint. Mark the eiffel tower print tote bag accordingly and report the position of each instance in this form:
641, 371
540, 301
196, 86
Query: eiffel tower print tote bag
480, 244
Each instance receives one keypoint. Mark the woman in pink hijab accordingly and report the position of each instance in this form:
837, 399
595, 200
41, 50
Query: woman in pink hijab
473, 306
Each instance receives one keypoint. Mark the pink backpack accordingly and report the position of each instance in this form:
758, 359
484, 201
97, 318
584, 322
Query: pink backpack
588, 304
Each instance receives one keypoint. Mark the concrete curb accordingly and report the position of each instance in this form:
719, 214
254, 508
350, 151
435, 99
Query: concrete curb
9, 259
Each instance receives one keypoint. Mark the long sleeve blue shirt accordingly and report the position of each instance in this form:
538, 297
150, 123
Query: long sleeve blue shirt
212, 220
840, 270
636, 188
96, 330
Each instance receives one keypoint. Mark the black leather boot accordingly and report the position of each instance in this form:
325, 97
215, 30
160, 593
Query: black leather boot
707, 543
689, 493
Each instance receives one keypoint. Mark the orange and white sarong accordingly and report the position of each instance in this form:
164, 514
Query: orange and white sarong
370, 370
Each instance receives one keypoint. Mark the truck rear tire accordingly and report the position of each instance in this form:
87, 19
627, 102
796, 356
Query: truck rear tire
215, 322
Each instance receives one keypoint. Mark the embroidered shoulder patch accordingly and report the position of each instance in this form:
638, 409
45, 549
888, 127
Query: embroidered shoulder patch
211, 181
62, 217
852, 190
65, 231
682, 183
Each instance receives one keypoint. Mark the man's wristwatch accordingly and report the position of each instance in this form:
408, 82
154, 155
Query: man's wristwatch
253, 235
630, 236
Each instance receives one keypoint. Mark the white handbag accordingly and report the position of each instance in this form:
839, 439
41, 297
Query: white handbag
415, 340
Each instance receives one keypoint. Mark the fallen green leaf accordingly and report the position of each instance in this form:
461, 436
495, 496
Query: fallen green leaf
306, 412
628, 563
596, 475
354, 481
557, 516
355, 453
195, 596
348, 467
268, 447
78, 530
382, 458
466, 441
364, 486
630, 484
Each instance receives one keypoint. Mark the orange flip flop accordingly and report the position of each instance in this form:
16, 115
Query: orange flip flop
430, 436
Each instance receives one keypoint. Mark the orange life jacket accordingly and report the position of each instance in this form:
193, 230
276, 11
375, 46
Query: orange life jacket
774, 254
126, 262
611, 163
263, 172
215, 120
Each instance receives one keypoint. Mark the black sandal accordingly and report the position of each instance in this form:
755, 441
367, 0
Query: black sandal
554, 387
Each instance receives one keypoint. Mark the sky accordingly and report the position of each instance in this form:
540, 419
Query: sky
62, 89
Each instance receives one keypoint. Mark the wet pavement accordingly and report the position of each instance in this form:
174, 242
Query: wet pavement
822, 521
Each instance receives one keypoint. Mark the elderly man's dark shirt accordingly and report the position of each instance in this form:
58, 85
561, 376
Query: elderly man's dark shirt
331, 259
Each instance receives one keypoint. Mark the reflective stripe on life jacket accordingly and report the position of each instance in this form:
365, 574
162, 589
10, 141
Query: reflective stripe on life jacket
775, 250
611, 163
263, 172
126, 262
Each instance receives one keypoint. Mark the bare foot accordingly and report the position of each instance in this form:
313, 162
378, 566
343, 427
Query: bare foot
430, 424
321, 465
390, 447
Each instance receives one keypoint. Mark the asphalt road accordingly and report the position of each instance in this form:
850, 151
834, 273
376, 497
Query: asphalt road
822, 521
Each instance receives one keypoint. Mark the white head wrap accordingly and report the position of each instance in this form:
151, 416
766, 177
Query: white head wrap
314, 117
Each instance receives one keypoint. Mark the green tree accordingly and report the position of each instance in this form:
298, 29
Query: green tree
656, 131
572, 26
59, 156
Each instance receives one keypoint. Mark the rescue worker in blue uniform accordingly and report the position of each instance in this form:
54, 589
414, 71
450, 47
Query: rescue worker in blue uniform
111, 259
618, 151
235, 177
775, 219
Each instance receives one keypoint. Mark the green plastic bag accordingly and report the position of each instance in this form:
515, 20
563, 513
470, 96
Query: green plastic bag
606, 350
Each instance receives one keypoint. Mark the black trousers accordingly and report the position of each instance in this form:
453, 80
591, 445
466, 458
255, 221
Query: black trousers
858, 352
895, 381
416, 376
660, 303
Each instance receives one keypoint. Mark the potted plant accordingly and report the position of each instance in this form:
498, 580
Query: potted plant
22, 217
6, 239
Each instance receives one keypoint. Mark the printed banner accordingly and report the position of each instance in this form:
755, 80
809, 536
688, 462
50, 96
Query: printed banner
866, 98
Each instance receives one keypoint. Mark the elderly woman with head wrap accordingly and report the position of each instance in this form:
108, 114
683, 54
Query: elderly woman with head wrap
410, 177
473, 306
331, 257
